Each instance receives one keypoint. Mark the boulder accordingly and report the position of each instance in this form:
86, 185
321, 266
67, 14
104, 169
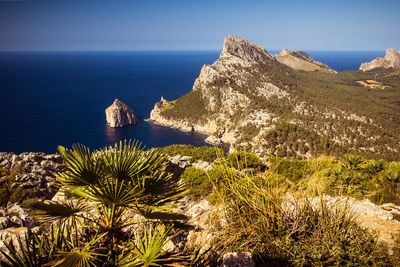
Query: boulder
119, 114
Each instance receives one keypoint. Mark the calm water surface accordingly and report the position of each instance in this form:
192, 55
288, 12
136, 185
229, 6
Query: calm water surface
58, 98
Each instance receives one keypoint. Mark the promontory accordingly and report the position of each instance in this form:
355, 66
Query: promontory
287, 105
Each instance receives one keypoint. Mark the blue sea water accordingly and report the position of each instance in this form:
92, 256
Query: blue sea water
58, 98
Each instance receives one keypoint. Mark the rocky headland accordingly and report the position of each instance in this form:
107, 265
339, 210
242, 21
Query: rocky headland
284, 105
391, 60
300, 60
119, 114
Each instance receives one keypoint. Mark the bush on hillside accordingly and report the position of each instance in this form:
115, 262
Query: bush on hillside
296, 234
293, 169
242, 160
197, 181
376, 180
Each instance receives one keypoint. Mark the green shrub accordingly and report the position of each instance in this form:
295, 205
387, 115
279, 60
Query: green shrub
298, 233
374, 179
205, 153
292, 169
197, 181
220, 176
241, 160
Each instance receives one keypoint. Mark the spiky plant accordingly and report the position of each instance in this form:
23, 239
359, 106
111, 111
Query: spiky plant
103, 191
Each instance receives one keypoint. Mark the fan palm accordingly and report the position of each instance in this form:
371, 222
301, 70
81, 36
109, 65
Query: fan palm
104, 189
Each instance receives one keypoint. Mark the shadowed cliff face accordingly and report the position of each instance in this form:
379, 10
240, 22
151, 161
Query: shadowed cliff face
391, 60
296, 108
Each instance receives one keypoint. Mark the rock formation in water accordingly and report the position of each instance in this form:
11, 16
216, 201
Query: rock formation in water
119, 114
251, 100
391, 60
300, 60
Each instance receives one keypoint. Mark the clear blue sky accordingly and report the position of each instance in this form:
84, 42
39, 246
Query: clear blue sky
198, 25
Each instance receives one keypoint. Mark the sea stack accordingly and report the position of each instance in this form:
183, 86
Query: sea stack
119, 114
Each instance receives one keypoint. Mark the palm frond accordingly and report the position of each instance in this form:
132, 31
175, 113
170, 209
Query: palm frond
36, 250
128, 161
148, 249
160, 189
52, 210
24, 253
82, 168
114, 192
84, 257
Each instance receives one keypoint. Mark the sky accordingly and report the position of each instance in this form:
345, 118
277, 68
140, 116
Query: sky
198, 25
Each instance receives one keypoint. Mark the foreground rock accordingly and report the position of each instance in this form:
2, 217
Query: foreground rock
119, 114
300, 60
391, 60
30, 176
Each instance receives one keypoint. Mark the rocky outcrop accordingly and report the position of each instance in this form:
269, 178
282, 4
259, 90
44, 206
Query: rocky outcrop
119, 114
26, 176
239, 47
33, 175
391, 60
300, 60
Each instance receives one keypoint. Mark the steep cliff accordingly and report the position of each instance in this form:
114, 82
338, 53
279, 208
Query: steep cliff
119, 114
391, 60
249, 99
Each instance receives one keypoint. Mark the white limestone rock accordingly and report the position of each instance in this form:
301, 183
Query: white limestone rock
391, 60
119, 114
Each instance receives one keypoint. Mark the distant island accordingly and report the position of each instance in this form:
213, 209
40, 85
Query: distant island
289, 104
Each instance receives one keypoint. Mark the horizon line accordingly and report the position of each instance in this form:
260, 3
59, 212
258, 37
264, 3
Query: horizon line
175, 50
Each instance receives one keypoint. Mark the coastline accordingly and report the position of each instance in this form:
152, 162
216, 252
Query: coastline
206, 137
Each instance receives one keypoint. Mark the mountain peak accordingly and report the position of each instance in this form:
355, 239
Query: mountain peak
241, 48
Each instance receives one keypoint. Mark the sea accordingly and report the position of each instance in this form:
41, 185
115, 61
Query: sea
53, 98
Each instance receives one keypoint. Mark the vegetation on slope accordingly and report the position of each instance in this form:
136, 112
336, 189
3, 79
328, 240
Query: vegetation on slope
278, 214
334, 108
190, 107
